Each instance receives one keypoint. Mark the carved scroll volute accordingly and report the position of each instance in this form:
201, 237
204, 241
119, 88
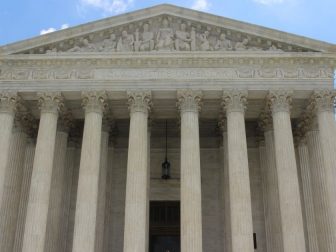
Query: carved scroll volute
279, 100
9, 102
323, 100
94, 101
234, 100
189, 100
50, 102
139, 101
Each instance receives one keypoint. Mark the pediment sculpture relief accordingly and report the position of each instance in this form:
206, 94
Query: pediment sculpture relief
165, 33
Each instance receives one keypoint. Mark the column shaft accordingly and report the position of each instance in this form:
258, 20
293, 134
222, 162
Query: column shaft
12, 190
136, 206
227, 222
24, 195
322, 149
38, 204
55, 213
264, 167
307, 197
7, 111
88, 181
288, 183
239, 179
273, 194
191, 201
322, 182
102, 192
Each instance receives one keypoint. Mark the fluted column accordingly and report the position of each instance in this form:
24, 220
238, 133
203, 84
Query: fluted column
84, 239
102, 185
191, 201
8, 106
38, 204
271, 176
288, 183
304, 166
136, 206
24, 194
321, 147
234, 103
54, 232
226, 189
13, 181
263, 168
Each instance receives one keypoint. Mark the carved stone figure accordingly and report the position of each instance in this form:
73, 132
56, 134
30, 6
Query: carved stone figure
165, 37
125, 43
223, 44
273, 48
193, 39
242, 46
146, 42
83, 46
205, 45
109, 44
183, 39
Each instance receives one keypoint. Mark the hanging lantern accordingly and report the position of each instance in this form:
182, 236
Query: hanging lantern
166, 164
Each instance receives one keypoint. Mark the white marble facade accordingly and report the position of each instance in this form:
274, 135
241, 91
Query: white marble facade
251, 137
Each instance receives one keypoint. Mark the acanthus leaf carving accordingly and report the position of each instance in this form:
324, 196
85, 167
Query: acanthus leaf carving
189, 100
234, 100
279, 100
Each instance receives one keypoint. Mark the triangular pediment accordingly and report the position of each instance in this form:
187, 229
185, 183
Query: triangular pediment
165, 28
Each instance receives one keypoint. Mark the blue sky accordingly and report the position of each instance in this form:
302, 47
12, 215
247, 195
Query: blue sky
22, 19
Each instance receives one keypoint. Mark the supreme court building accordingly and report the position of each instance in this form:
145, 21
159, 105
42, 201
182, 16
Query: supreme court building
166, 130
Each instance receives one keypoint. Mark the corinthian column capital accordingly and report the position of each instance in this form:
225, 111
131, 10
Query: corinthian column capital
234, 100
50, 102
25, 122
279, 100
94, 101
9, 102
323, 100
139, 101
189, 100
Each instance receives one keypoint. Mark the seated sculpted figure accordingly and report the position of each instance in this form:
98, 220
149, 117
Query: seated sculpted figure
205, 45
146, 42
109, 44
242, 46
165, 37
223, 44
125, 43
183, 39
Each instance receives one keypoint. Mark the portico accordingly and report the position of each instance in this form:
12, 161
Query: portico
251, 136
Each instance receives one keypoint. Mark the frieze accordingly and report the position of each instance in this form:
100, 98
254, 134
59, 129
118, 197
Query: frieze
250, 72
165, 33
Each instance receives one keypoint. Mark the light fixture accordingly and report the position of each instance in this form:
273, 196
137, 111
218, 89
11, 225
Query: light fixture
166, 164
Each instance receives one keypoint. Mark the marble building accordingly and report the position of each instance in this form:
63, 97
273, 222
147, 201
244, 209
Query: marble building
250, 136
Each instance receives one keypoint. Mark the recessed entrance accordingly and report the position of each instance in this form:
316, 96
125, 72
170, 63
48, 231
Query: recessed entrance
164, 230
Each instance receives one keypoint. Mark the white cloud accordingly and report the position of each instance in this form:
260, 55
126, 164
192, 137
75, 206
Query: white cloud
52, 29
201, 5
269, 2
45, 31
64, 26
108, 6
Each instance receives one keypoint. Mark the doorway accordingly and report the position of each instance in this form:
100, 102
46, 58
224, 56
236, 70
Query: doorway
164, 226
